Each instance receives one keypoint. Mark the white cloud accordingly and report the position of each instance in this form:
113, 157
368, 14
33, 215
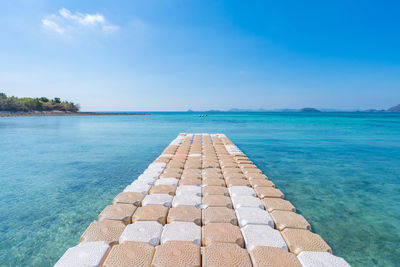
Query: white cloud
52, 25
67, 22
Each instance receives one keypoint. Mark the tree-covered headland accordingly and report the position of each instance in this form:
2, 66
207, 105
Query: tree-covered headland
27, 104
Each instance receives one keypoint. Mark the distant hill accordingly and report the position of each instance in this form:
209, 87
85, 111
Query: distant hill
374, 110
309, 110
394, 109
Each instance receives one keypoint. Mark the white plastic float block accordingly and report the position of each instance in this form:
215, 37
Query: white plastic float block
181, 231
242, 191
165, 155
249, 215
83, 255
191, 190
194, 155
152, 172
186, 200
159, 164
246, 201
321, 259
142, 182
166, 181
146, 179
157, 199
142, 231
143, 189
147, 176
262, 235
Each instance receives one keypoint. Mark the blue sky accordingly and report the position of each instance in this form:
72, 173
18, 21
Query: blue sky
179, 55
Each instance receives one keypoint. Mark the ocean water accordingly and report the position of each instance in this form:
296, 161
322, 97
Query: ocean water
341, 170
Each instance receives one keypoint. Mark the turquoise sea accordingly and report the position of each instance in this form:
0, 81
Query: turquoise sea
341, 170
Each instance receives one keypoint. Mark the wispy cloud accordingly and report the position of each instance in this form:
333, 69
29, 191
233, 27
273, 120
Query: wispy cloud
66, 21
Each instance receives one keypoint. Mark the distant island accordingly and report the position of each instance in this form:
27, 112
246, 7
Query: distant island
309, 110
26, 106
306, 110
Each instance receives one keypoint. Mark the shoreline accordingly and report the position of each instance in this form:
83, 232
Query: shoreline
41, 114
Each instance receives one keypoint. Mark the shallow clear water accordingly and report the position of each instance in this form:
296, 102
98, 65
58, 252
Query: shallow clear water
342, 172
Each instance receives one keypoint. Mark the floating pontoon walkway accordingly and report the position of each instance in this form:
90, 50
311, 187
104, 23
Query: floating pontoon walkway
202, 202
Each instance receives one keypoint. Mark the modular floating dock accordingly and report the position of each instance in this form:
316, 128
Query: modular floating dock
202, 202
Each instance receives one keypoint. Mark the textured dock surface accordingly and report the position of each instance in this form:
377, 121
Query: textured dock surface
202, 202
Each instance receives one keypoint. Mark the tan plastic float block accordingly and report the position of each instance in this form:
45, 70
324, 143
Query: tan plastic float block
227, 171
210, 159
178, 159
175, 165
229, 164
118, 212
213, 182
235, 176
268, 192
171, 174
288, 219
193, 159
107, 231
248, 165
215, 190
206, 165
162, 159
174, 175
132, 198
217, 201
190, 181
196, 175
251, 171
272, 204
163, 189
299, 240
180, 155
211, 175
256, 176
233, 168
261, 183
219, 215
221, 232
194, 165
184, 214
225, 254
151, 213
177, 253
273, 257
236, 182
130, 254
